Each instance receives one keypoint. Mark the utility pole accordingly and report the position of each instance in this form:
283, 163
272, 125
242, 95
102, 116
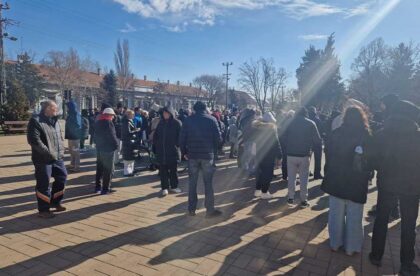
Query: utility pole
3, 23
227, 64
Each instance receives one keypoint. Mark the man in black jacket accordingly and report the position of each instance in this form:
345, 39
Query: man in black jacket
395, 155
301, 138
46, 140
199, 139
106, 144
313, 115
166, 142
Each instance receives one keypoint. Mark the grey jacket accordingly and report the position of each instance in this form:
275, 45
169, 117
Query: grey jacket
46, 140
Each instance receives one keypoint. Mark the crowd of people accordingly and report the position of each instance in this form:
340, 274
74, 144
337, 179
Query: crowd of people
357, 144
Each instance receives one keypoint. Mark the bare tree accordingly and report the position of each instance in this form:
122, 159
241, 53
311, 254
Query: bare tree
64, 68
370, 68
122, 65
262, 80
213, 85
278, 81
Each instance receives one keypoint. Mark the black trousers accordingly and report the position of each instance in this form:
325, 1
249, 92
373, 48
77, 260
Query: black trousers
317, 159
104, 169
409, 207
43, 174
168, 176
264, 175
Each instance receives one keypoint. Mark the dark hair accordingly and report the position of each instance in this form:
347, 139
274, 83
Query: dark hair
355, 117
85, 113
199, 106
119, 105
302, 112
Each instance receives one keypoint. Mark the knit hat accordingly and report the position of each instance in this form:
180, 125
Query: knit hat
108, 111
269, 118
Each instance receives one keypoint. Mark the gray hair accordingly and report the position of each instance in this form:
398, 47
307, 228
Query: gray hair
46, 104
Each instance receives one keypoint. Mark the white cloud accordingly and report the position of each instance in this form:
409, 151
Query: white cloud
128, 28
175, 13
313, 37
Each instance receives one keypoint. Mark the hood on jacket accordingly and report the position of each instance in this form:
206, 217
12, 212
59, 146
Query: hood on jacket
406, 110
170, 110
269, 118
72, 107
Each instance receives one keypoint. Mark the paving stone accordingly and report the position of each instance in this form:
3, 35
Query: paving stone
135, 232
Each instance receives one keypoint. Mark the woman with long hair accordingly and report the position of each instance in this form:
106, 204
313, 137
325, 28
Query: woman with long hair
346, 180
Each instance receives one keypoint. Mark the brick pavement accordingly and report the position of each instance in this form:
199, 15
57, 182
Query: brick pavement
135, 232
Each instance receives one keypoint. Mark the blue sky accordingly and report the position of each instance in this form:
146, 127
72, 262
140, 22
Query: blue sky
181, 39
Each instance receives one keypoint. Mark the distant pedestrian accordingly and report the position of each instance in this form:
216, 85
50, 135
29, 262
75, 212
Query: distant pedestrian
73, 131
346, 180
119, 114
84, 132
268, 150
166, 141
199, 140
313, 115
232, 137
106, 145
129, 139
47, 144
301, 137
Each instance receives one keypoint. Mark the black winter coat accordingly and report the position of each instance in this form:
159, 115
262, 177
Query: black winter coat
396, 156
301, 137
129, 139
341, 179
200, 136
267, 141
44, 136
105, 136
166, 141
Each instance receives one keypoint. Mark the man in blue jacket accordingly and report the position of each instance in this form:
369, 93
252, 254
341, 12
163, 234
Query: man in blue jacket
199, 139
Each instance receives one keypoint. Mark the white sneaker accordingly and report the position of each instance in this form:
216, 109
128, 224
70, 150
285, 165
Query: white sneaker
176, 191
257, 193
266, 195
165, 192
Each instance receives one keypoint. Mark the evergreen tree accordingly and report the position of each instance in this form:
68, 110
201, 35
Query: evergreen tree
319, 78
402, 69
109, 85
28, 76
17, 105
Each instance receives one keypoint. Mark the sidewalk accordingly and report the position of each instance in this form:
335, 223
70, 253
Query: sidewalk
135, 232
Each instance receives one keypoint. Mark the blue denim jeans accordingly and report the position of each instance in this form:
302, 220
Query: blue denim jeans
345, 224
207, 168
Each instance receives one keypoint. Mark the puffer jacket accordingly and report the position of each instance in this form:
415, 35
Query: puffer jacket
342, 180
46, 140
166, 140
301, 137
200, 136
